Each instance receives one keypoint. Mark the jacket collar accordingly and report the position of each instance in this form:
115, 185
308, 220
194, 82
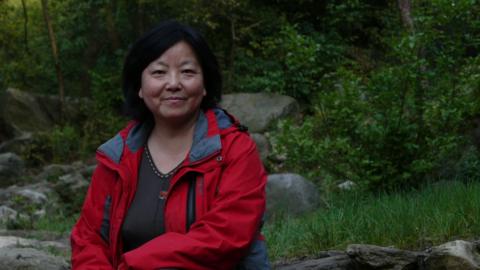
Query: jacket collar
206, 138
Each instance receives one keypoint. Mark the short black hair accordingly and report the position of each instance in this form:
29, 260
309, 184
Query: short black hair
151, 46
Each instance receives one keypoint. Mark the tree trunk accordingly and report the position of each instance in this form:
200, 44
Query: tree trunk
405, 7
140, 17
231, 58
25, 26
53, 44
422, 83
110, 23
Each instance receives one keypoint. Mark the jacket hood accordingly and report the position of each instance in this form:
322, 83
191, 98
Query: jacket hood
210, 125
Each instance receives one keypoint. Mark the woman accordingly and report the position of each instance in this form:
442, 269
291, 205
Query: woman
182, 186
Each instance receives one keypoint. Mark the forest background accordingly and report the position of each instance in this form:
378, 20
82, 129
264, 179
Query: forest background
389, 90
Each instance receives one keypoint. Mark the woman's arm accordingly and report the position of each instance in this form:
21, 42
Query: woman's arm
89, 238
220, 238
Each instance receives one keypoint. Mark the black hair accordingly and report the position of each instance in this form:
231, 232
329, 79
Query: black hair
151, 46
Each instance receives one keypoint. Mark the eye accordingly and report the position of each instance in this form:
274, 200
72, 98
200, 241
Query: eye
158, 72
189, 71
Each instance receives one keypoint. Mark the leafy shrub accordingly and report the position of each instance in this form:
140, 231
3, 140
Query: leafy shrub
288, 62
377, 132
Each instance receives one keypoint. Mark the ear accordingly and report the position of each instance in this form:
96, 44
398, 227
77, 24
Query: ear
140, 93
204, 92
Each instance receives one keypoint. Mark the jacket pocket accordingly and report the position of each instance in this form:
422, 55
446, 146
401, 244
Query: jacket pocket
105, 227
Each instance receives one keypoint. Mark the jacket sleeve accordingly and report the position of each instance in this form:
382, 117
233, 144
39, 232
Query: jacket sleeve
90, 234
220, 238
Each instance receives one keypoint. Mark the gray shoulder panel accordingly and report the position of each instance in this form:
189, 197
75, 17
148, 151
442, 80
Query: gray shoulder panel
205, 147
224, 121
138, 135
113, 148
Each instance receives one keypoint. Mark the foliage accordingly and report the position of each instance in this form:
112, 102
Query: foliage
385, 105
407, 220
371, 132
397, 125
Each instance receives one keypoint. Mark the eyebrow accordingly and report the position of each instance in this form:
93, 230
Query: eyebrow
183, 63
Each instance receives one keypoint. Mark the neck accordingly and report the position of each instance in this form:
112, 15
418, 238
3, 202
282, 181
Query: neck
173, 136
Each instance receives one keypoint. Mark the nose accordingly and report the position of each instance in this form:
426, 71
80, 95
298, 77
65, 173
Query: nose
173, 83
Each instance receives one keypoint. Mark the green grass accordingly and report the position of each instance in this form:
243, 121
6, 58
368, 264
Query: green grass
408, 220
55, 223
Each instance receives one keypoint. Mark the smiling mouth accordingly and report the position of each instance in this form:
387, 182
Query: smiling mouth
175, 98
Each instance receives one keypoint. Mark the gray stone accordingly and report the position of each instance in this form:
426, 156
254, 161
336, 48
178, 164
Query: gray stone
54, 171
11, 167
338, 262
385, 258
74, 182
290, 194
22, 112
15, 241
33, 196
347, 185
16, 144
455, 255
30, 259
87, 171
263, 145
257, 111
30, 201
6, 214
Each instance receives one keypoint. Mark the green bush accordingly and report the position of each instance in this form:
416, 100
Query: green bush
377, 132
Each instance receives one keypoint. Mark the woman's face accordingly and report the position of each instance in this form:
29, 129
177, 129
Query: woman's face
172, 85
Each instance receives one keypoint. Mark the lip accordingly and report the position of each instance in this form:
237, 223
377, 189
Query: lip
174, 98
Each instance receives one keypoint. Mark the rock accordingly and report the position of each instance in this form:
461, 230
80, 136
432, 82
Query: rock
263, 145
258, 110
71, 189
11, 167
375, 257
6, 132
455, 255
30, 259
30, 202
54, 171
7, 214
87, 171
347, 185
33, 196
15, 241
16, 144
22, 112
290, 194
50, 104
338, 262
74, 182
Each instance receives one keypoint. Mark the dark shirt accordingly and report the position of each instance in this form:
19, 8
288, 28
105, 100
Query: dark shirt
145, 217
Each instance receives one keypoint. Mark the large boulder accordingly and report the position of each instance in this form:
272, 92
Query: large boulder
13, 258
290, 194
258, 110
455, 255
21, 112
263, 145
11, 167
17, 144
337, 262
383, 258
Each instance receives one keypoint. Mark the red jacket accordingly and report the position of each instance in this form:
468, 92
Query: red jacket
229, 201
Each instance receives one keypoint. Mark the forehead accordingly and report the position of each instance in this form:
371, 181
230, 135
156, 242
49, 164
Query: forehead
180, 51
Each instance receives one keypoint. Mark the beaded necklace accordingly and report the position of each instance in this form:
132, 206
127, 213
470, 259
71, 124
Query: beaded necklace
162, 176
